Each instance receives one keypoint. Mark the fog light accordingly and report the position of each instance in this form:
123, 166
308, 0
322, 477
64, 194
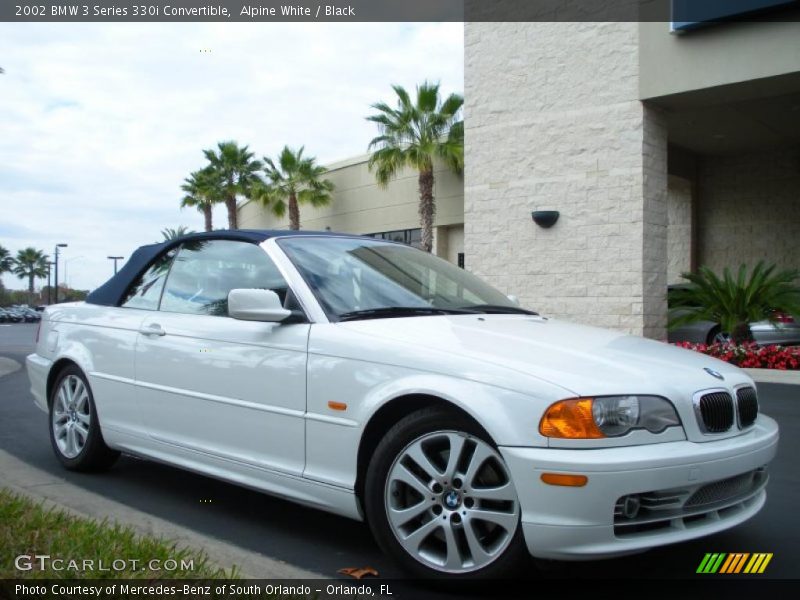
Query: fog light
631, 506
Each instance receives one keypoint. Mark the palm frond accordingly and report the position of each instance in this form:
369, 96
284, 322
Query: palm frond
735, 299
294, 174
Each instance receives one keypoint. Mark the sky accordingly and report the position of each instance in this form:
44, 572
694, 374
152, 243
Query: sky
100, 123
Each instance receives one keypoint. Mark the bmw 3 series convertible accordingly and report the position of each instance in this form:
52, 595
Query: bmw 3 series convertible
381, 383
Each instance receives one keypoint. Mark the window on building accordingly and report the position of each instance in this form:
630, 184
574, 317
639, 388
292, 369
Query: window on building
410, 237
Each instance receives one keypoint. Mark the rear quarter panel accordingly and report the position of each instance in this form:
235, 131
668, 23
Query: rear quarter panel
101, 341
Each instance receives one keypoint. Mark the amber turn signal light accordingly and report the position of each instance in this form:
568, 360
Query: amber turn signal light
570, 419
336, 405
564, 479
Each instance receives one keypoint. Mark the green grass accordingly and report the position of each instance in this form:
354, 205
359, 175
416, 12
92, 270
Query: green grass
28, 528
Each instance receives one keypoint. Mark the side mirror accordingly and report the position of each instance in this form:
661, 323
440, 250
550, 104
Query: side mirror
256, 305
514, 299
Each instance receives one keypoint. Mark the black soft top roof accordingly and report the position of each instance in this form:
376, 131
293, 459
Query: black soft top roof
112, 292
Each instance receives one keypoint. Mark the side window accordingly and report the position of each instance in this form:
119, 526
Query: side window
205, 271
146, 290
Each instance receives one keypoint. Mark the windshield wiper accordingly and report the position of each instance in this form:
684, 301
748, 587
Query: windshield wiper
388, 312
499, 309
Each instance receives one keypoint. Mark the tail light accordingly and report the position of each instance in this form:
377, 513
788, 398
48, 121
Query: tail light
782, 317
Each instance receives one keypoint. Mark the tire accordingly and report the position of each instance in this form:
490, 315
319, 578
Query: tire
715, 336
74, 427
445, 534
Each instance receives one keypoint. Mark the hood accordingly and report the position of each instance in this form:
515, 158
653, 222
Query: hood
584, 360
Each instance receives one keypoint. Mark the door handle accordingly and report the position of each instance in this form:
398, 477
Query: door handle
152, 329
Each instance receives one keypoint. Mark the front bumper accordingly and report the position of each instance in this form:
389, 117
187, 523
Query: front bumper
578, 523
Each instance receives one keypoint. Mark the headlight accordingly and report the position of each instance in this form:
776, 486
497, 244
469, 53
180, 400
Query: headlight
607, 416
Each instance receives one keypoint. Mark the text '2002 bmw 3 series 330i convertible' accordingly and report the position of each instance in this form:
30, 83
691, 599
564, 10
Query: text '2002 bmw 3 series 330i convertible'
378, 382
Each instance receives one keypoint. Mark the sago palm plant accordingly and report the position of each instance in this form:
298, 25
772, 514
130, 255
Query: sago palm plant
413, 134
735, 301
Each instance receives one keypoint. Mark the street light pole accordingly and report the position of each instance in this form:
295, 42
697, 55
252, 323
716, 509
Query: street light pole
56, 277
115, 259
49, 287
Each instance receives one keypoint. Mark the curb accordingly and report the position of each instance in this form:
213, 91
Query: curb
774, 376
55, 492
8, 366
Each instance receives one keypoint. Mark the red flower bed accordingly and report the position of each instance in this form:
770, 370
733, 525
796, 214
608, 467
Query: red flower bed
751, 356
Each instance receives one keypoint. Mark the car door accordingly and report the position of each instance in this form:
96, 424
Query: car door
214, 385
109, 336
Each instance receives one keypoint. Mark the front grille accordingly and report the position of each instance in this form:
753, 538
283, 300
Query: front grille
690, 506
725, 489
747, 403
716, 412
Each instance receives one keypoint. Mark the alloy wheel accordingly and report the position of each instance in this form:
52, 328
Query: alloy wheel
72, 416
450, 502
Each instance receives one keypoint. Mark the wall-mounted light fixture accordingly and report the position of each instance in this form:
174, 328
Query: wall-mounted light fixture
545, 218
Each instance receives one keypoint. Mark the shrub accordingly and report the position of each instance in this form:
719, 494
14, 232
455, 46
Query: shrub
750, 355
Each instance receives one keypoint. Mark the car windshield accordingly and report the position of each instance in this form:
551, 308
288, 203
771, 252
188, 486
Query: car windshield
358, 278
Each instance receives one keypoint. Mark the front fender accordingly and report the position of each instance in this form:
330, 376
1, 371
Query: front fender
334, 436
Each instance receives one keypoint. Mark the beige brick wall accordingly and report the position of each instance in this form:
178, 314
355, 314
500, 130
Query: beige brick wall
749, 209
359, 205
554, 122
679, 227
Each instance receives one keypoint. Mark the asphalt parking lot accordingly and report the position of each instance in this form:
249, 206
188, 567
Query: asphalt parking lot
324, 543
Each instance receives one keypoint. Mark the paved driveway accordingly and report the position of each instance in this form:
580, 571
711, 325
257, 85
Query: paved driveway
324, 543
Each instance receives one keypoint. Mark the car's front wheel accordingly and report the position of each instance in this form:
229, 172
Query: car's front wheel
440, 499
74, 428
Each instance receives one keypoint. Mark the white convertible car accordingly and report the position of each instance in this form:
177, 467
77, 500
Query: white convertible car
378, 382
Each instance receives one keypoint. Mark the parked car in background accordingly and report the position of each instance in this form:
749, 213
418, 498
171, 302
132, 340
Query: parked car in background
13, 316
31, 316
381, 383
784, 330
3, 316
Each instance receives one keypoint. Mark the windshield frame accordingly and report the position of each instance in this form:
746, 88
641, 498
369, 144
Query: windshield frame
334, 317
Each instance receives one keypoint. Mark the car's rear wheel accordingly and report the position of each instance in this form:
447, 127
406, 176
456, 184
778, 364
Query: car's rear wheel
74, 428
717, 336
440, 499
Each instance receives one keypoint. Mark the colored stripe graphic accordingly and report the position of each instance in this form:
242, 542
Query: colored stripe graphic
711, 562
758, 563
735, 562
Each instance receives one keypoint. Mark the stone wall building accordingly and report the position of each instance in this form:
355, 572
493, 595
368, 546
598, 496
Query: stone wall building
661, 151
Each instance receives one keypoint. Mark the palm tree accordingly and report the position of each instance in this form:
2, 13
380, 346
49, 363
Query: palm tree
413, 135
238, 172
30, 263
735, 302
203, 190
6, 262
170, 234
296, 180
